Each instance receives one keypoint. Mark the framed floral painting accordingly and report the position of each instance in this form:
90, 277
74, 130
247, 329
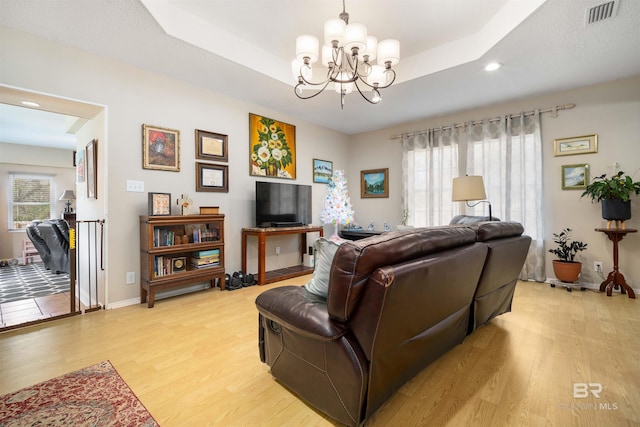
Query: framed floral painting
272, 148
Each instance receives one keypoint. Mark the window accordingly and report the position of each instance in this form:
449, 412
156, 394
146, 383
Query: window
31, 197
430, 162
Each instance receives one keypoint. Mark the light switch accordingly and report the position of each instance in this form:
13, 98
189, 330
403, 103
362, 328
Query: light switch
135, 186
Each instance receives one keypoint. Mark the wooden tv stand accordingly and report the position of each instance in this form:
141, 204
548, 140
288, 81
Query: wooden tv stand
265, 277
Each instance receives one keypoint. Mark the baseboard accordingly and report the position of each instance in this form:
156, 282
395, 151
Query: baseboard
159, 296
586, 285
120, 304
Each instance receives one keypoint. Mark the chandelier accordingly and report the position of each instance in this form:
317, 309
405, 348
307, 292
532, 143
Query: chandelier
348, 54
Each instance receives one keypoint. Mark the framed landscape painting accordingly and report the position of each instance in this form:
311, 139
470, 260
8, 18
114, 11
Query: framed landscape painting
577, 145
322, 171
575, 177
374, 183
272, 148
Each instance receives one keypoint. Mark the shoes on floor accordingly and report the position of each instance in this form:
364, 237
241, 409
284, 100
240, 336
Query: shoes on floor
239, 280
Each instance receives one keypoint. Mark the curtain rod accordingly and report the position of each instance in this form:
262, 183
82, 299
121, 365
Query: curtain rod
553, 110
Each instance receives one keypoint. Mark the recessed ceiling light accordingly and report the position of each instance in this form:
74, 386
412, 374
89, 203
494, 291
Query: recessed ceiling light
492, 66
30, 104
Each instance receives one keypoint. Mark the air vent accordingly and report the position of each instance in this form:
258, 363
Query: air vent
601, 12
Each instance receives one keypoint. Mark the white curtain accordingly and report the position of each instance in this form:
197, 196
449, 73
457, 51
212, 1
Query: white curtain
508, 155
429, 164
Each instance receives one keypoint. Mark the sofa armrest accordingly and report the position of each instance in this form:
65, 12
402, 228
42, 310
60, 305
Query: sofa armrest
295, 308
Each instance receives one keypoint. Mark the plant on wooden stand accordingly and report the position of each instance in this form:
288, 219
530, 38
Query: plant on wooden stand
614, 193
565, 267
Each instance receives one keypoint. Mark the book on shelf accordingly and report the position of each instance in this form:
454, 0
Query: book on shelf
207, 265
162, 237
206, 253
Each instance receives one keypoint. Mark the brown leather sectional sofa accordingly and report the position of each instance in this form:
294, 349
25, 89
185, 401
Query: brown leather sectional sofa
396, 303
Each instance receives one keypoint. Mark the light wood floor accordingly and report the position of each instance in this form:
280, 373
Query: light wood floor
193, 361
15, 313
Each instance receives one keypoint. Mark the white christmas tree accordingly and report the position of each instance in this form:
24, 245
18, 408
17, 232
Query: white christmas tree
337, 205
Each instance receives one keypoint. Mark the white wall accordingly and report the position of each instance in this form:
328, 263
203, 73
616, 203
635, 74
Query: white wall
30, 159
134, 97
611, 110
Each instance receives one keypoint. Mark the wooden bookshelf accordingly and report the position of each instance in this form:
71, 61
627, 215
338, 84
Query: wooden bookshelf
179, 250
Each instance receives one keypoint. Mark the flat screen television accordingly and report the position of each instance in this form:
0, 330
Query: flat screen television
282, 205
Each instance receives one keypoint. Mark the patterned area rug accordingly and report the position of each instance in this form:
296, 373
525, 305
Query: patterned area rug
19, 282
94, 396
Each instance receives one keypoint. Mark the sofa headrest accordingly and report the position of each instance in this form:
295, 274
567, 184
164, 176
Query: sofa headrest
496, 230
354, 261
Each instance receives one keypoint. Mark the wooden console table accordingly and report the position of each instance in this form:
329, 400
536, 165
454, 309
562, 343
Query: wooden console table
265, 277
615, 279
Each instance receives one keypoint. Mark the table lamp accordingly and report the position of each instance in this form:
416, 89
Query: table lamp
466, 188
68, 196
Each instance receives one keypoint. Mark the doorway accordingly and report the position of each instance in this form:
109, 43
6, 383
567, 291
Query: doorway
23, 131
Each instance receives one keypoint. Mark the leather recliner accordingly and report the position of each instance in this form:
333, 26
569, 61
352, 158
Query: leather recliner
51, 239
396, 303
33, 233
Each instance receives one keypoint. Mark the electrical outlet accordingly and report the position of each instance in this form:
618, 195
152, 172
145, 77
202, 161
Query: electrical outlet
131, 277
597, 266
277, 250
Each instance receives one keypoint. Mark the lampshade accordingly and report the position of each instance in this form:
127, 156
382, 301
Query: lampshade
307, 47
388, 51
468, 188
67, 195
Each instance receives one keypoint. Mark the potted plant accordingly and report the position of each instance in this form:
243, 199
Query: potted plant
614, 193
405, 220
565, 267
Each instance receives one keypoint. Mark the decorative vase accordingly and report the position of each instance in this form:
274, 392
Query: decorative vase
616, 210
272, 170
567, 271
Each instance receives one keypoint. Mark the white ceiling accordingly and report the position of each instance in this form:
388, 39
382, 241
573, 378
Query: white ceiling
545, 46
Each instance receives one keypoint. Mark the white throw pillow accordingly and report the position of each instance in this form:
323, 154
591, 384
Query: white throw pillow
325, 250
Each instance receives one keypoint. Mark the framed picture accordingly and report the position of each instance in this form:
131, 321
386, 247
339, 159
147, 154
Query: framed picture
211, 146
374, 183
80, 167
272, 148
91, 155
214, 178
322, 171
578, 145
160, 148
178, 264
159, 203
575, 177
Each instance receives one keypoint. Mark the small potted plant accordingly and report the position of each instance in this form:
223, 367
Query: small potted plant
565, 267
405, 220
614, 194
